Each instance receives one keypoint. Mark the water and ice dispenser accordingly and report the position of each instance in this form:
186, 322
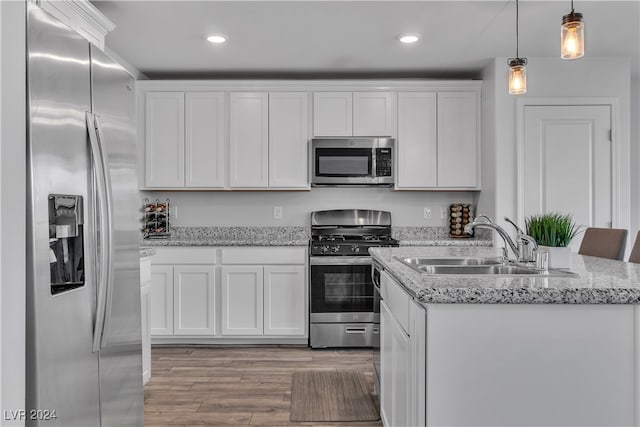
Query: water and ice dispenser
66, 245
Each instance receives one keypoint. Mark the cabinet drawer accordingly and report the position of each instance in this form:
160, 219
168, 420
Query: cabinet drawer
264, 255
396, 299
185, 255
145, 271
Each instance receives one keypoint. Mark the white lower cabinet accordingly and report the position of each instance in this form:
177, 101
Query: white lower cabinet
403, 363
242, 294
266, 300
161, 301
193, 300
284, 300
207, 295
145, 318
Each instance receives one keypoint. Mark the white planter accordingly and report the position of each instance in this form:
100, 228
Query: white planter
558, 257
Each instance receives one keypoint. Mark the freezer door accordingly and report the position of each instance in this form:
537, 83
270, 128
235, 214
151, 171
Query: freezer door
121, 346
62, 369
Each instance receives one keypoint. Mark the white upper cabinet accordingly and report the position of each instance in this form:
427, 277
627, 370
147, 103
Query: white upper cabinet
205, 138
354, 114
458, 154
417, 145
288, 139
374, 114
438, 141
249, 140
184, 140
164, 142
333, 114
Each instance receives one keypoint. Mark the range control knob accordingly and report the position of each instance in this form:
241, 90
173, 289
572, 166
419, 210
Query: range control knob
324, 249
335, 249
355, 249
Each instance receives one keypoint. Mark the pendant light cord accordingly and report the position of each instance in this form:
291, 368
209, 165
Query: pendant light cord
517, 21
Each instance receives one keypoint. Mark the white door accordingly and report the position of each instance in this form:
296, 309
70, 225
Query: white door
458, 140
194, 300
333, 114
204, 139
164, 140
284, 300
567, 163
417, 145
161, 301
249, 140
242, 300
400, 348
418, 363
386, 365
288, 139
374, 114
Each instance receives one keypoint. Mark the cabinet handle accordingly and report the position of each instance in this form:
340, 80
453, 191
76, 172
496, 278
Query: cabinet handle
355, 330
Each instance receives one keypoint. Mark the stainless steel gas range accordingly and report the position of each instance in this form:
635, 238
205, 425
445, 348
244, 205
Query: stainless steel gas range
342, 291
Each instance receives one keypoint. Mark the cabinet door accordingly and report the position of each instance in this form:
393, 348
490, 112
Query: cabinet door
249, 140
386, 365
417, 148
204, 139
418, 363
458, 139
374, 114
333, 114
161, 301
242, 300
194, 300
145, 303
288, 139
164, 140
284, 300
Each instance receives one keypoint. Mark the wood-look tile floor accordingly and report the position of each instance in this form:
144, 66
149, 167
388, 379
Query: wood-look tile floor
236, 385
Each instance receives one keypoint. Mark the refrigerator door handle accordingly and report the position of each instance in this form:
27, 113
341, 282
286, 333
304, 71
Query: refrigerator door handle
108, 199
104, 231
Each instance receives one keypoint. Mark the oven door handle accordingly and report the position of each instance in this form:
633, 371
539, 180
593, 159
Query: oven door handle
340, 260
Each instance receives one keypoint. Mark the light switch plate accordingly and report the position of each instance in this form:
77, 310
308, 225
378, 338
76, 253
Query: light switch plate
277, 212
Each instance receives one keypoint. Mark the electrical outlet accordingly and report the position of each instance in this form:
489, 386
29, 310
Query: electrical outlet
174, 212
443, 213
277, 212
427, 213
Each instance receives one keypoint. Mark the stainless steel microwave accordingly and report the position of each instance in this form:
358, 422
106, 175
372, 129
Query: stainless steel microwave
352, 161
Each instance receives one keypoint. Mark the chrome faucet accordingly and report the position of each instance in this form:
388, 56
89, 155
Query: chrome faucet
527, 245
483, 221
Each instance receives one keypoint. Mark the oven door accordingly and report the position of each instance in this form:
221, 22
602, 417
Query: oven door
341, 289
343, 161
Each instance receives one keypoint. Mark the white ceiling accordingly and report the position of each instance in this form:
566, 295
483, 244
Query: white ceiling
332, 38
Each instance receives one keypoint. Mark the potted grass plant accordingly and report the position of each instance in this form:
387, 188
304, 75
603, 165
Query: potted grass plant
553, 232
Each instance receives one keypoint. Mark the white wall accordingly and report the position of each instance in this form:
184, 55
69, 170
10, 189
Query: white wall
244, 208
552, 77
12, 207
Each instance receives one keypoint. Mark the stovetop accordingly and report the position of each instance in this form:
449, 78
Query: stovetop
352, 245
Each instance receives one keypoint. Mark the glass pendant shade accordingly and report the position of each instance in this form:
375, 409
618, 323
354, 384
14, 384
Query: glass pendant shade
517, 76
572, 36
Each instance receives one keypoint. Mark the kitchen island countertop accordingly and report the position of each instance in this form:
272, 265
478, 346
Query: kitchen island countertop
599, 281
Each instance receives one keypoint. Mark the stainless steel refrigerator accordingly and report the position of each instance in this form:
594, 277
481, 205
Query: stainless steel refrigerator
84, 363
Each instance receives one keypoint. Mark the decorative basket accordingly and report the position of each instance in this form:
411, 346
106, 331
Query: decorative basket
156, 219
460, 214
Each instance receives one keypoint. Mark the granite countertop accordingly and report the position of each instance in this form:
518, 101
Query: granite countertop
599, 281
233, 236
297, 236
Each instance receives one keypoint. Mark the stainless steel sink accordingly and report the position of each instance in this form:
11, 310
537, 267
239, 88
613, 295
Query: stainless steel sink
420, 262
477, 266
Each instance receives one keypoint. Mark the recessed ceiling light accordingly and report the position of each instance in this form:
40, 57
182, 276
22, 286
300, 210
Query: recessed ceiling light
217, 38
409, 38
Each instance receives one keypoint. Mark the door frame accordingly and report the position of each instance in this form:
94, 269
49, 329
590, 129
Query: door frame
616, 149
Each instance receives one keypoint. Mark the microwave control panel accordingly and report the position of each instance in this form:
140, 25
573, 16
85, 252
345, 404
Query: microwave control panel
384, 161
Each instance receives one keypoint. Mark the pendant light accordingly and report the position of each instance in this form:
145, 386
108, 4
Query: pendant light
517, 70
572, 35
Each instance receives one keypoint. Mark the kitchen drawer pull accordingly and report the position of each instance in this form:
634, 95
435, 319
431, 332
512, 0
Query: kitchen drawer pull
355, 330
